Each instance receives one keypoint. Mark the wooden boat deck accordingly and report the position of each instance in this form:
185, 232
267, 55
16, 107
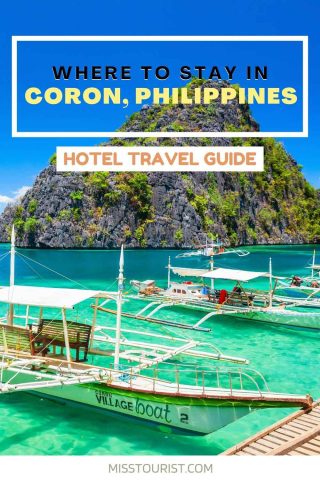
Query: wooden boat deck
297, 434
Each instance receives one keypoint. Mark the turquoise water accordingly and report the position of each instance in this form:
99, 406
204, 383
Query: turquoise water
289, 359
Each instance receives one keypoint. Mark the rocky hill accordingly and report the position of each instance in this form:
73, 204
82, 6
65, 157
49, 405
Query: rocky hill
101, 210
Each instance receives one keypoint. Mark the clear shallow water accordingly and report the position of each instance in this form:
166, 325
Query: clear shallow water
289, 359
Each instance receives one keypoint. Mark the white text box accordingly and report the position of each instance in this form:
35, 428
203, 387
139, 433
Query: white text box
160, 159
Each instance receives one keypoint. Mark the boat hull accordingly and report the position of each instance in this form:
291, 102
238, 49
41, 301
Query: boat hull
196, 416
287, 318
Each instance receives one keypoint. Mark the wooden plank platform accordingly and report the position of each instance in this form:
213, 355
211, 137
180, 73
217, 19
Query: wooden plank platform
297, 434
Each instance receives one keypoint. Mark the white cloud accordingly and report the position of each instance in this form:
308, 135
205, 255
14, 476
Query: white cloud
16, 195
21, 192
5, 199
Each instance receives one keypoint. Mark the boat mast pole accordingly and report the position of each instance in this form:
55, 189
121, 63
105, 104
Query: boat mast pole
119, 311
66, 336
169, 272
12, 273
211, 268
270, 282
94, 322
313, 263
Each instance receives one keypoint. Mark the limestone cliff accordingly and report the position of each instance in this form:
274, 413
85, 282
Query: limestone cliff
101, 210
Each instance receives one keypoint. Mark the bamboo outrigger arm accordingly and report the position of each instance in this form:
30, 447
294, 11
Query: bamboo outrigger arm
151, 319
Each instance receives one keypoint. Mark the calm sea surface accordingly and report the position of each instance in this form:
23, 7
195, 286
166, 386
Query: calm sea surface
289, 359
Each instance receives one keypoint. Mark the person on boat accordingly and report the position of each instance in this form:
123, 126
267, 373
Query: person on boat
223, 297
296, 281
315, 284
250, 300
204, 290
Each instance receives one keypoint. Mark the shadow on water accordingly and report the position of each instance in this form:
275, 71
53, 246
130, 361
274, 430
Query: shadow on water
55, 428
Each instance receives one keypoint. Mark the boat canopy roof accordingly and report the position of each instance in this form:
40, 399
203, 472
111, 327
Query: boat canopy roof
45, 297
211, 245
314, 267
231, 274
189, 272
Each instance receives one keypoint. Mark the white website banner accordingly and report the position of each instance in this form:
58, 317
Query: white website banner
160, 467
160, 159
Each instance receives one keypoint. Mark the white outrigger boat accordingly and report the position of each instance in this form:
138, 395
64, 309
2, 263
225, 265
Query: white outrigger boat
239, 302
308, 285
213, 249
196, 401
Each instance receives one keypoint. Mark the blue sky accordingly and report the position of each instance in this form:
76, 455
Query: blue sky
21, 159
